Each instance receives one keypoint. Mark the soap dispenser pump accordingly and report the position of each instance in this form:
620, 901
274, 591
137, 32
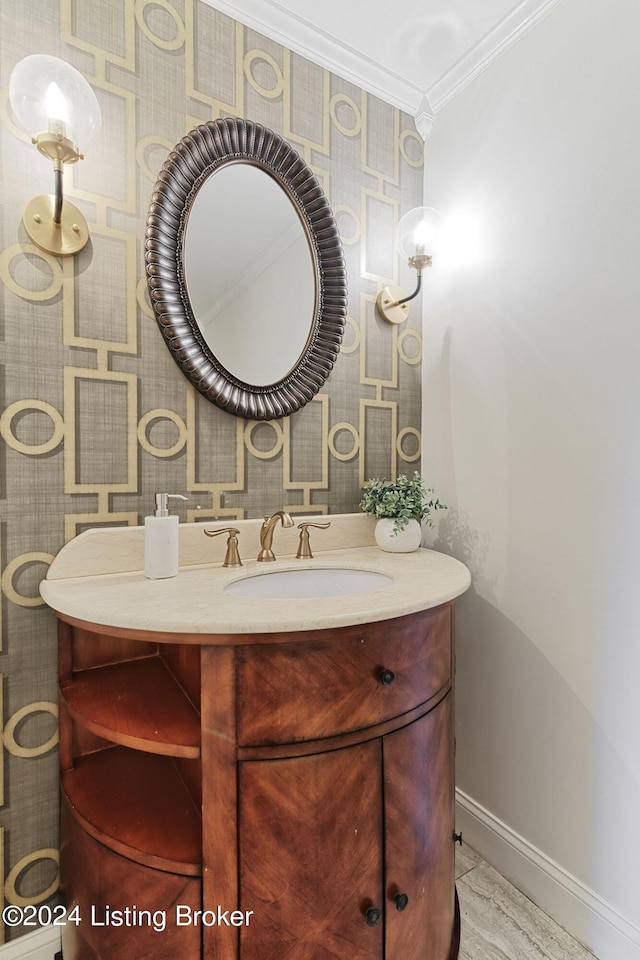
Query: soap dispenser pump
161, 539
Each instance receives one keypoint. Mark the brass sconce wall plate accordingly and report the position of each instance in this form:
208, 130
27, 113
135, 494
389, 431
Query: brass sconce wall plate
63, 239
388, 306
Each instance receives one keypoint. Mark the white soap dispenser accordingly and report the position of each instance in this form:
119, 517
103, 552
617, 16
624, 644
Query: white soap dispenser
161, 539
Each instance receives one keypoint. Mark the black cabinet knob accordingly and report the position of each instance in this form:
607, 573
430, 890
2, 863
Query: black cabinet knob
401, 900
457, 838
373, 916
387, 677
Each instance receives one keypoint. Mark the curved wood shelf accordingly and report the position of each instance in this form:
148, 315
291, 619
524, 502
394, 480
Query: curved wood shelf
136, 704
139, 807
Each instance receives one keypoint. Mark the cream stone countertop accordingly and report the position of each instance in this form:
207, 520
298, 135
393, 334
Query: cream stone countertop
82, 583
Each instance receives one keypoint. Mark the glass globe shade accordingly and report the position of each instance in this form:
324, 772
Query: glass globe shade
48, 95
419, 232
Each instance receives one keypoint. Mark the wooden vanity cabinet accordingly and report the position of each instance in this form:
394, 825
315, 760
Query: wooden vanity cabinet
302, 780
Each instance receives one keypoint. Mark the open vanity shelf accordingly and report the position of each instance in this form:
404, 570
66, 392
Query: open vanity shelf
137, 703
130, 746
137, 805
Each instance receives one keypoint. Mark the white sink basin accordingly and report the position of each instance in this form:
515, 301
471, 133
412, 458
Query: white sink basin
297, 584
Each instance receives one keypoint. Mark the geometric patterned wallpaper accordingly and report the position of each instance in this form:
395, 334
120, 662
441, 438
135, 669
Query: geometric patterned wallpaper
95, 416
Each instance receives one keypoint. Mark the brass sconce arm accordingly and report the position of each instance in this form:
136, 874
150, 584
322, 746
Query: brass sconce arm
394, 309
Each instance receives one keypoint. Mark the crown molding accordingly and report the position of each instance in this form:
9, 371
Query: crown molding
503, 36
290, 30
424, 117
272, 20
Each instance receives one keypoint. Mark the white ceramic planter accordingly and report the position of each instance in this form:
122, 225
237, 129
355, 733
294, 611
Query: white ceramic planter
405, 541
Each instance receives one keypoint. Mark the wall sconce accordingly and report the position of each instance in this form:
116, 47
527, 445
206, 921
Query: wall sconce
59, 111
417, 239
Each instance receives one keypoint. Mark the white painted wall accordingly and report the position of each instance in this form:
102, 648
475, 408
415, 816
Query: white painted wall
532, 435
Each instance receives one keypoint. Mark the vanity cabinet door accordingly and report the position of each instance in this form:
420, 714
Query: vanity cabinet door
311, 855
419, 821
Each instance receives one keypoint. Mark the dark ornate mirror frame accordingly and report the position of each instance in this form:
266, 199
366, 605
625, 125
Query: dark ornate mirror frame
199, 154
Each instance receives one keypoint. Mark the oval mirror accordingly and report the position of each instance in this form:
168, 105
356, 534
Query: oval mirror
260, 250
245, 269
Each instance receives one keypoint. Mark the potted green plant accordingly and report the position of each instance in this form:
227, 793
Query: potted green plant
399, 506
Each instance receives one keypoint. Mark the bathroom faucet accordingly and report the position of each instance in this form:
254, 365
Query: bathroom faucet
266, 533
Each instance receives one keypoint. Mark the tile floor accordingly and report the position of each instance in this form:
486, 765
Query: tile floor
500, 923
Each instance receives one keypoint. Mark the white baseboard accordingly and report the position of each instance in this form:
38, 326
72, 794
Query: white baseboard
42, 944
581, 911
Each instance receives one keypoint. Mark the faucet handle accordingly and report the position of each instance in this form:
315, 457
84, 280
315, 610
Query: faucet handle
304, 547
232, 556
